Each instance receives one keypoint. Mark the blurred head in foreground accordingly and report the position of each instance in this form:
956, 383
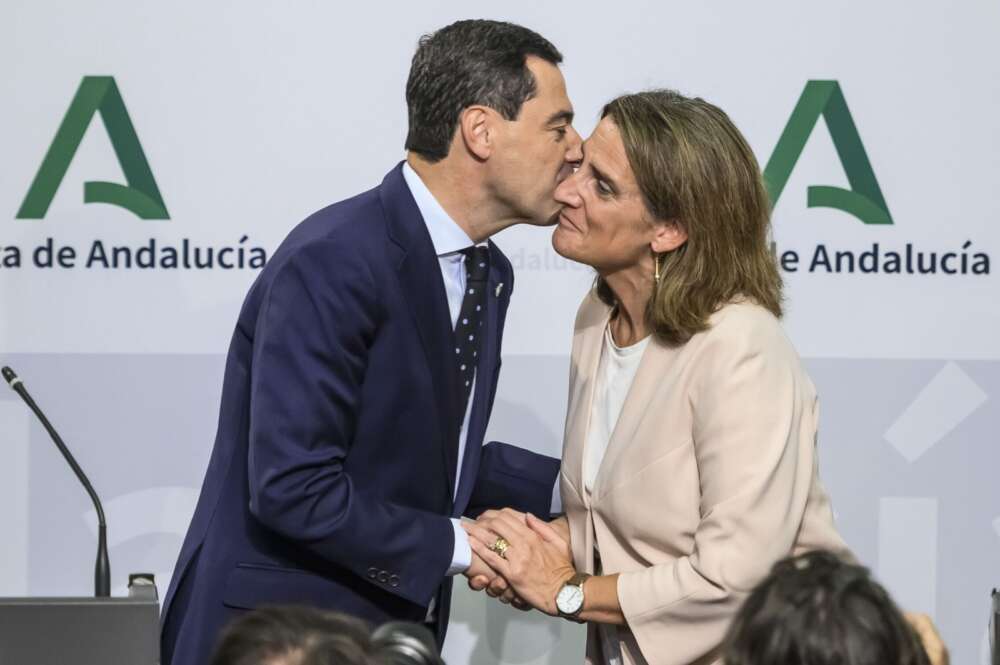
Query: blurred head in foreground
297, 636
815, 609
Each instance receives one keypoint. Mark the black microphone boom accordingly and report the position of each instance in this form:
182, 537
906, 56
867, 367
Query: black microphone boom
102, 570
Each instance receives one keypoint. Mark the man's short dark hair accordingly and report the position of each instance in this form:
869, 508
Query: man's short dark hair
296, 636
467, 63
816, 609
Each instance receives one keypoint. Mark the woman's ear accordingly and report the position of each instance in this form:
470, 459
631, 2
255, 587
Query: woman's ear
669, 236
476, 131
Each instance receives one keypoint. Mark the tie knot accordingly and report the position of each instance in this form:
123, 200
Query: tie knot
477, 263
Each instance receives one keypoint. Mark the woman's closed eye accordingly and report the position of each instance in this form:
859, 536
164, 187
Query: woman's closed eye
601, 183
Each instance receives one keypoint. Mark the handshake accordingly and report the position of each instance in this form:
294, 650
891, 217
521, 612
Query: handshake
519, 559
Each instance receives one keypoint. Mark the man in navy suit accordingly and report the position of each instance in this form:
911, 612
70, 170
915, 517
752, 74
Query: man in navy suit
364, 364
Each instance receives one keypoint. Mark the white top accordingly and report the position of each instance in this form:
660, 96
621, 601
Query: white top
615, 373
448, 239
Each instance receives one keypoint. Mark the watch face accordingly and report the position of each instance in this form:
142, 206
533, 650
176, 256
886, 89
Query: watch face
570, 599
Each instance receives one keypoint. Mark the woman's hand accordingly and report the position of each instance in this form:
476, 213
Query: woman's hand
561, 527
538, 561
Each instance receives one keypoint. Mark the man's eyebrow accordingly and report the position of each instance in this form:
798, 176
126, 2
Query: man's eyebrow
560, 116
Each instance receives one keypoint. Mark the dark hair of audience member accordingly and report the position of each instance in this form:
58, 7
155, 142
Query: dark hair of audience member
296, 636
815, 609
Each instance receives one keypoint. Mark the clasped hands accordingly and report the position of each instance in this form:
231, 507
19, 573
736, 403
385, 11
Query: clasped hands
535, 564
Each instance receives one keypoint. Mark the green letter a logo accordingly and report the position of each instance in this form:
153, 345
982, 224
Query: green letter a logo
97, 94
864, 199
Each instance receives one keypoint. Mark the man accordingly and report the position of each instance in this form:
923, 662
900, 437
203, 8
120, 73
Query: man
364, 364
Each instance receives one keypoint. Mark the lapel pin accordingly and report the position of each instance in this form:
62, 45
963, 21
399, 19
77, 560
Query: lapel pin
499, 289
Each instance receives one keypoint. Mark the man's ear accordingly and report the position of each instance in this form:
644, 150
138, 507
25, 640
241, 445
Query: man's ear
669, 236
476, 131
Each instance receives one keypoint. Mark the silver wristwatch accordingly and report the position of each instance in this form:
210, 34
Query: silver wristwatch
569, 600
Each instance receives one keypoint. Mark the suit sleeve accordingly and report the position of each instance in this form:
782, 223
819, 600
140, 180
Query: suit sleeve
317, 321
753, 436
512, 477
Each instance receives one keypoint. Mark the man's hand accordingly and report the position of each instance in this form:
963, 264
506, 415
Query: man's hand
479, 574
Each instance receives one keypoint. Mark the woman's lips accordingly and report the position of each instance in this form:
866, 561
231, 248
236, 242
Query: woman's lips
566, 222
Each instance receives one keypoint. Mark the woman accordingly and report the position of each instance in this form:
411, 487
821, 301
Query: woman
689, 461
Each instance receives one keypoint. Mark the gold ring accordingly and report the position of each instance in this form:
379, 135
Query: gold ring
500, 547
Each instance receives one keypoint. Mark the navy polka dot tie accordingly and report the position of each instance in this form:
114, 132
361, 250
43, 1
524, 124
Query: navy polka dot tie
469, 328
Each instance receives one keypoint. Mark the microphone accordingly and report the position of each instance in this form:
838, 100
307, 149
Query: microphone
406, 644
102, 569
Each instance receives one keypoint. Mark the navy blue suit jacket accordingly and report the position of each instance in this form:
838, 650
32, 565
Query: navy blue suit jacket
331, 480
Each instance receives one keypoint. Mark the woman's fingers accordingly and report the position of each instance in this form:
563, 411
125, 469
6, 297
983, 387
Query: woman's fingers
481, 532
479, 582
499, 587
519, 603
543, 529
510, 525
492, 559
561, 526
550, 536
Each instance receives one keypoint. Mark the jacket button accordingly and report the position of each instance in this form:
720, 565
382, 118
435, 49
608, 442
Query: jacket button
394, 581
383, 576
372, 572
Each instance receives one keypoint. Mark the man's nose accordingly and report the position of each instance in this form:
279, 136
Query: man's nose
575, 152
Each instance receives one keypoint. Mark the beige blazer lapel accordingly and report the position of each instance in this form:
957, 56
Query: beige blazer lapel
654, 375
590, 325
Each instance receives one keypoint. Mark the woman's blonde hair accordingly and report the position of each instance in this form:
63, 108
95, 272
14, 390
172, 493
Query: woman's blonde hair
694, 168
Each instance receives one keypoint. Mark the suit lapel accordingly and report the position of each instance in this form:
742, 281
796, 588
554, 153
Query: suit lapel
423, 288
497, 296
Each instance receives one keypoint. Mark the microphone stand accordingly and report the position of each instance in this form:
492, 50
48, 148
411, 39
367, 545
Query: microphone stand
102, 569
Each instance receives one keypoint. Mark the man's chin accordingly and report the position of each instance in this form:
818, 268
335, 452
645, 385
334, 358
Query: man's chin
544, 218
551, 220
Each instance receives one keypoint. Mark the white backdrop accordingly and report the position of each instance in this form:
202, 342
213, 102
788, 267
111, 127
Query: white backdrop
253, 114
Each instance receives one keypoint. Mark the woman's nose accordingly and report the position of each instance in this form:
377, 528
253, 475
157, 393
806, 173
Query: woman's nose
568, 193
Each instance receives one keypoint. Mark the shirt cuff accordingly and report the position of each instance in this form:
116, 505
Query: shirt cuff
556, 499
462, 557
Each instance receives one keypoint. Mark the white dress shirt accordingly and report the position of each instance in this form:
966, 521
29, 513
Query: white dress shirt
448, 239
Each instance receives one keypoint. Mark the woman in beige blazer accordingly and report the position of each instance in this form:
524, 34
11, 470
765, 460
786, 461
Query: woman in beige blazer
689, 461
